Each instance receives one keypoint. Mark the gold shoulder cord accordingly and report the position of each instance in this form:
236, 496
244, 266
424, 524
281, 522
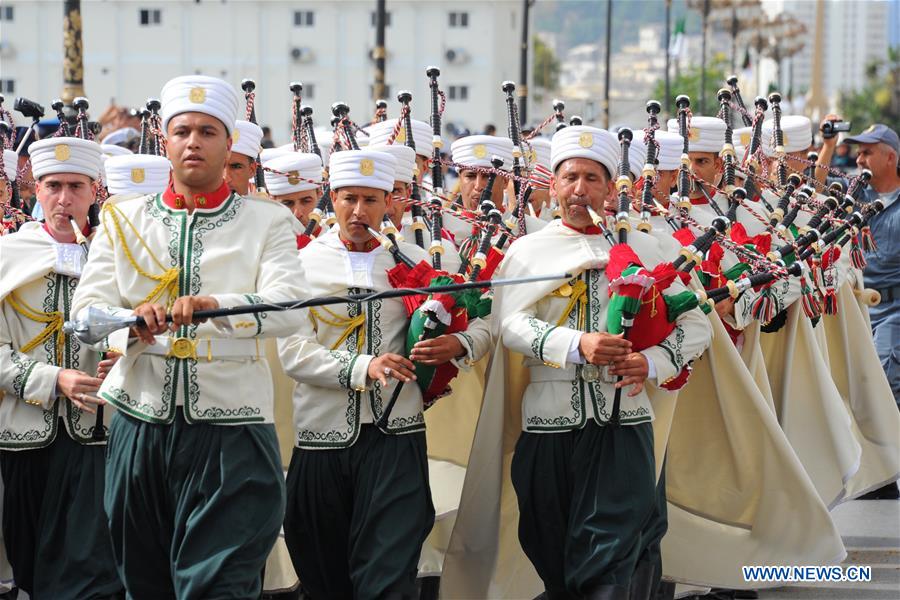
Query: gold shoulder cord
167, 280
54, 326
577, 293
350, 324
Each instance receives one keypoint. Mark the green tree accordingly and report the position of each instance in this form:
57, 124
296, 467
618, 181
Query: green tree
688, 83
879, 99
546, 67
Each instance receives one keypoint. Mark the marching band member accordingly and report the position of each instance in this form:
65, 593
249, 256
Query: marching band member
137, 174
579, 533
539, 178
295, 180
241, 165
11, 217
194, 487
51, 446
359, 505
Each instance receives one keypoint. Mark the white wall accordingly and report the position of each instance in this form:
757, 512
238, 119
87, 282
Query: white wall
236, 39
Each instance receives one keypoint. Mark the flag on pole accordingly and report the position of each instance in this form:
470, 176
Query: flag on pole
677, 44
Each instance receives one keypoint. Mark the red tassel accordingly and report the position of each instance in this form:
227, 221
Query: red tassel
868, 242
763, 309
303, 241
811, 306
857, 258
831, 304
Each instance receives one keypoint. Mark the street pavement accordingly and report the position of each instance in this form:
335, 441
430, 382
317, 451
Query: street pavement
871, 533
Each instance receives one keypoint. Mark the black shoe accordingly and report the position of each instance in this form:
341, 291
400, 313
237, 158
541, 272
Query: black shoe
888, 492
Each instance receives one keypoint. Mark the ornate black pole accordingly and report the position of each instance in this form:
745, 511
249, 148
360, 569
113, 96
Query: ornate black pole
379, 53
523, 63
73, 58
608, 64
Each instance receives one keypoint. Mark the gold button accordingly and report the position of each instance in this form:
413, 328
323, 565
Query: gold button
201, 200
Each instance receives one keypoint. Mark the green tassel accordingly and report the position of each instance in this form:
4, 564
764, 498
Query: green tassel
678, 304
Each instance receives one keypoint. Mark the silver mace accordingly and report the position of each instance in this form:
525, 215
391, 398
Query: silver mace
98, 324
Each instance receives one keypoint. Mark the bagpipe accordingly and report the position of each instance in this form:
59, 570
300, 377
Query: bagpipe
248, 85
303, 137
434, 314
12, 216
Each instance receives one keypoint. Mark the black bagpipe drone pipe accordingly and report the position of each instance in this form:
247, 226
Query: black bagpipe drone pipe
418, 225
248, 85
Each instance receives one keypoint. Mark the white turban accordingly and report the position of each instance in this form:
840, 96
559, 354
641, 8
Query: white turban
199, 93
268, 154
66, 155
114, 150
379, 133
797, 134
246, 138
539, 152
477, 150
137, 174
705, 134
304, 173
363, 168
405, 157
581, 141
10, 164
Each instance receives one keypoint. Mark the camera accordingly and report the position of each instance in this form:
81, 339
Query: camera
831, 128
29, 108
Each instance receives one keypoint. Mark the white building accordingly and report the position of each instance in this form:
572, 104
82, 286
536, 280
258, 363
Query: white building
132, 47
855, 33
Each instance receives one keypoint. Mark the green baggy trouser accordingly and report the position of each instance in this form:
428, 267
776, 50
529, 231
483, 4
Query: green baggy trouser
584, 497
649, 564
356, 517
194, 509
54, 526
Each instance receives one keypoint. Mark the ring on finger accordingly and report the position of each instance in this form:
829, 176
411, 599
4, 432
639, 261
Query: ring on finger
387, 371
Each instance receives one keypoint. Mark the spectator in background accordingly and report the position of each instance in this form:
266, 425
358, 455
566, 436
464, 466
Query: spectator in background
490, 129
267, 141
843, 158
879, 148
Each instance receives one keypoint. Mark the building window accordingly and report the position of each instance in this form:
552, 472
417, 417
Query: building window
304, 18
458, 92
6, 13
150, 16
387, 18
459, 19
8, 86
309, 91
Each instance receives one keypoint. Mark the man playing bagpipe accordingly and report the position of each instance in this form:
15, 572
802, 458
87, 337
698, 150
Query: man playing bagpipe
52, 442
359, 504
194, 487
295, 180
409, 173
583, 468
476, 152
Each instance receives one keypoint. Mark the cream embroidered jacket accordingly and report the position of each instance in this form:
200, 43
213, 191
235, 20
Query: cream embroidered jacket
241, 251
38, 277
329, 355
541, 321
